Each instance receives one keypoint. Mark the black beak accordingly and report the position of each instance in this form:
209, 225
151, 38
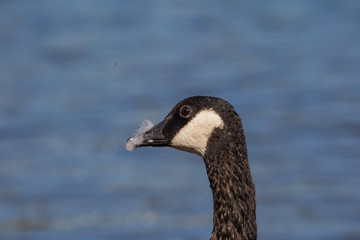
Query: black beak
153, 137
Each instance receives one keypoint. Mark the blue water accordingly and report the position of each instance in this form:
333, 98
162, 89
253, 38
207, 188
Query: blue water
78, 77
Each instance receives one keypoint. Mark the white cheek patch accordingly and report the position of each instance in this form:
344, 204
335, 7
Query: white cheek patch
193, 137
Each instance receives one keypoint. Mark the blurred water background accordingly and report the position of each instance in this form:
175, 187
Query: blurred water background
78, 77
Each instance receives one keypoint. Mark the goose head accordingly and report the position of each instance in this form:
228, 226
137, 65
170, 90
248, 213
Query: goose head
188, 126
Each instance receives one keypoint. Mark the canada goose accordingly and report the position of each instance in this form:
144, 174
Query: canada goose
210, 128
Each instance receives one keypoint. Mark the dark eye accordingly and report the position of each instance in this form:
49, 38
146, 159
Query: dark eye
185, 111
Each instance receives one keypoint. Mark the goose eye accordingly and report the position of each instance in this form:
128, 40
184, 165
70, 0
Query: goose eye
185, 111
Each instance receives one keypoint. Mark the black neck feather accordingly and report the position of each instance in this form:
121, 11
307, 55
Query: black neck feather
233, 190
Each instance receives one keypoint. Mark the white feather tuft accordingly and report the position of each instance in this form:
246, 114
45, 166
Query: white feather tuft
135, 141
145, 126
